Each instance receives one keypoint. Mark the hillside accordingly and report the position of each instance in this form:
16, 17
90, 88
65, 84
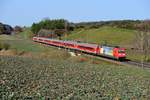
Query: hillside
26, 34
19, 46
114, 36
7, 37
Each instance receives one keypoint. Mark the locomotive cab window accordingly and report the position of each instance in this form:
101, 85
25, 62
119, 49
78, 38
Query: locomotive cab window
121, 51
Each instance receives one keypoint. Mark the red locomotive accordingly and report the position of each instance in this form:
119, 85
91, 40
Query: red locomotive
102, 50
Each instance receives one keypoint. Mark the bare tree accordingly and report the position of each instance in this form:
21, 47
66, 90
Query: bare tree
143, 43
143, 40
18, 29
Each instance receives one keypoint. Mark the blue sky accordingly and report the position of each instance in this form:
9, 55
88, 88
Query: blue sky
25, 12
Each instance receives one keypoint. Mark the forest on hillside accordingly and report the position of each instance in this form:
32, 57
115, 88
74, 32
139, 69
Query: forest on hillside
66, 26
62, 26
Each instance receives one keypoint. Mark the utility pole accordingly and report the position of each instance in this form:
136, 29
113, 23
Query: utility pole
65, 31
66, 26
142, 48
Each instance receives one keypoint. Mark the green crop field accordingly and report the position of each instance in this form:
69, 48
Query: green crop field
28, 78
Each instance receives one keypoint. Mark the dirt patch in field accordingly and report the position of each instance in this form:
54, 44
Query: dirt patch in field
8, 52
46, 55
15, 53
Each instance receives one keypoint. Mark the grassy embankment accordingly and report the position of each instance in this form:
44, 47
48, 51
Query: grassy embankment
19, 46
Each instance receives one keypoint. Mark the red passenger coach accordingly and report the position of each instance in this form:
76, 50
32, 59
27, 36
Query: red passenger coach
70, 44
57, 43
90, 48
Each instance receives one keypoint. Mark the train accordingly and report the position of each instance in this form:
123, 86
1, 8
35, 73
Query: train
114, 52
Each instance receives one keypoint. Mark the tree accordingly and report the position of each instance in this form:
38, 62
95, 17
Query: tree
35, 28
58, 24
143, 40
1, 28
5, 29
18, 29
60, 32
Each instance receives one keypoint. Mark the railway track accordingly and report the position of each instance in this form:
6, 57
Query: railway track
126, 63
138, 64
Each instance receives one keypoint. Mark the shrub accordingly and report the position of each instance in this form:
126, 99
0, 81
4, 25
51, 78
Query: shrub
1, 46
4, 46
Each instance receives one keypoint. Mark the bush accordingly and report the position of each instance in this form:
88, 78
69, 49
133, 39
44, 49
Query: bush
4, 46
1, 46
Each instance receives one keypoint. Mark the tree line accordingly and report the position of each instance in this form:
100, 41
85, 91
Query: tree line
63, 26
5, 29
127, 24
60, 25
